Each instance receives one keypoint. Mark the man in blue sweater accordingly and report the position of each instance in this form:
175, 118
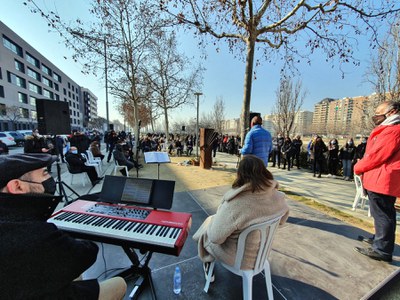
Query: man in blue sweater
258, 141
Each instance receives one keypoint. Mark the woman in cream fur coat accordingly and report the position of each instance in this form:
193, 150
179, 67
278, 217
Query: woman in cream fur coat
254, 198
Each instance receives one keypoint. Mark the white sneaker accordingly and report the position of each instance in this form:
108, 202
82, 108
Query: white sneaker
329, 176
333, 176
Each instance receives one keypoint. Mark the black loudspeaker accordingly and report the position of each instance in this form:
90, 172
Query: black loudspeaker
183, 128
53, 117
252, 115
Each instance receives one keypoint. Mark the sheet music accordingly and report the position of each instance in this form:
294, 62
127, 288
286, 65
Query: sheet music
156, 157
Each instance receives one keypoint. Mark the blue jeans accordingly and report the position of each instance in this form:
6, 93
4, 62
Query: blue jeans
384, 214
346, 167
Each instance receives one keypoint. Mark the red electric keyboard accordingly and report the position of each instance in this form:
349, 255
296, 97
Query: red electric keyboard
131, 226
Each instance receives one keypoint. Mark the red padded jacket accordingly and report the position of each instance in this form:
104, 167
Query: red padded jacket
380, 165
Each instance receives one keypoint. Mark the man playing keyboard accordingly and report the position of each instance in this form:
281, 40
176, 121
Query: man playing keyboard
39, 261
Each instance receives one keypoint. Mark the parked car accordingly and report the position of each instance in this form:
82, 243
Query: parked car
25, 132
7, 139
19, 138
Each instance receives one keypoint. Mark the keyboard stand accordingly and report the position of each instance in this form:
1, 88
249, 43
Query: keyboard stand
143, 271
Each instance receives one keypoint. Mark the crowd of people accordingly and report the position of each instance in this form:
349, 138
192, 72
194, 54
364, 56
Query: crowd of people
330, 158
55, 267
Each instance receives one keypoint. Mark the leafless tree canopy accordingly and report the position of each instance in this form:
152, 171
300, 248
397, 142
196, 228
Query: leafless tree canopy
295, 28
169, 75
218, 114
13, 114
289, 99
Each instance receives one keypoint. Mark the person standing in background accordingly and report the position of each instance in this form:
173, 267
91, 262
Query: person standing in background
333, 158
347, 154
297, 144
258, 141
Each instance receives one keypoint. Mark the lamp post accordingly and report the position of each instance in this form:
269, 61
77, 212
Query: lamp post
198, 94
106, 82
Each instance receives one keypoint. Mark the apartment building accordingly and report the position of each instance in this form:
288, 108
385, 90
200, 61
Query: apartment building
27, 75
342, 116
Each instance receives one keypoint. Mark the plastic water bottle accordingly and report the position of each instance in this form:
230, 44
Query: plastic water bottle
177, 280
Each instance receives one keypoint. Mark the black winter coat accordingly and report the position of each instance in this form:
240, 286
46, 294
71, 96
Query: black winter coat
39, 261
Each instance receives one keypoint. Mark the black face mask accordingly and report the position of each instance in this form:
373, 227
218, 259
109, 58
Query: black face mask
378, 119
49, 185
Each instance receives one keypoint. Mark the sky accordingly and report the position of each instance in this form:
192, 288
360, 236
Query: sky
223, 78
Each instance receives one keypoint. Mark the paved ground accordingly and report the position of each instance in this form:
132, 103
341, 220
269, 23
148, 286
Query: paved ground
312, 256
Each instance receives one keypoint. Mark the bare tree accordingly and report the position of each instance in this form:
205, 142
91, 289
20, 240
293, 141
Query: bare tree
97, 123
289, 99
13, 114
218, 114
119, 33
170, 75
384, 71
331, 26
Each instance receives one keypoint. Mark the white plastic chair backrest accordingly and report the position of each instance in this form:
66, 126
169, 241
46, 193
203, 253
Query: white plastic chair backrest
359, 185
267, 231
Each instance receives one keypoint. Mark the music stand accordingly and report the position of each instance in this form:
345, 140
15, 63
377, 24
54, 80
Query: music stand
156, 158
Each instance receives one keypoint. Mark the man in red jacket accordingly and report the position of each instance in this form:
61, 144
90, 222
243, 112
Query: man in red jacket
380, 170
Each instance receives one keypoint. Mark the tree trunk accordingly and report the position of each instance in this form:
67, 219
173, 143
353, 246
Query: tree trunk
248, 77
166, 123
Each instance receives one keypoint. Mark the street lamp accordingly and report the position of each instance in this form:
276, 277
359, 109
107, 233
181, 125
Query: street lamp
198, 94
104, 40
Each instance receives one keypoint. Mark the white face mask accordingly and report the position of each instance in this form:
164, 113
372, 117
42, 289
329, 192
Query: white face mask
74, 151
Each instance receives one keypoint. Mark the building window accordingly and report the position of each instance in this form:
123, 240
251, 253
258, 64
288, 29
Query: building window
19, 66
35, 88
32, 60
46, 70
14, 79
69, 94
1, 74
32, 100
12, 46
33, 74
65, 92
24, 112
48, 94
22, 98
56, 87
33, 114
2, 91
47, 82
57, 97
3, 110
56, 77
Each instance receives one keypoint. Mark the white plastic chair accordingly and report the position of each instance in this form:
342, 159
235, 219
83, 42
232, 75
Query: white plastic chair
119, 167
83, 175
267, 231
94, 160
96, 165
361, 195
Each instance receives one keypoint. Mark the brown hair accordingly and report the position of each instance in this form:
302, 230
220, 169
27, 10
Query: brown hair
256, 121
252, 170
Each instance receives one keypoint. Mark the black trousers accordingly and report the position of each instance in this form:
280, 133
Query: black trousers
384, 214
91, 171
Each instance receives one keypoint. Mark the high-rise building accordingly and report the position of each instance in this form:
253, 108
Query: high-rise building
321, 110
27, 75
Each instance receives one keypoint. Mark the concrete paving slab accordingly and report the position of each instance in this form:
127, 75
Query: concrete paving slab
312, 255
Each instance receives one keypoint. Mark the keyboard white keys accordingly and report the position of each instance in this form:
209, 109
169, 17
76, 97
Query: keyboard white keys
115, 228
